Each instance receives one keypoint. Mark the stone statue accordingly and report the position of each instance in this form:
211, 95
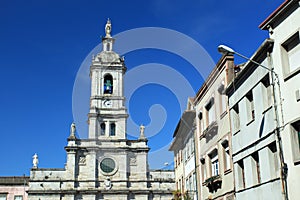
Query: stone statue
108, 28
72, 129
107, 183
35, 160
142, 131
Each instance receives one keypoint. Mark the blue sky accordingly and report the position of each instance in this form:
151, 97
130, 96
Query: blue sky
43, 43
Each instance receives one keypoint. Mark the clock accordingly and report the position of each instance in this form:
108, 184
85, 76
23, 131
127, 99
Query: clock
107, 103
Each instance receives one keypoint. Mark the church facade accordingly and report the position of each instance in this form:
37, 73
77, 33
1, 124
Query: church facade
106, 165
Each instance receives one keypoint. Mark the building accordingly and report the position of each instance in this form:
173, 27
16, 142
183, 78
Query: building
106, 165
255, 148
284, 26
213, 135
183, 146
13, 188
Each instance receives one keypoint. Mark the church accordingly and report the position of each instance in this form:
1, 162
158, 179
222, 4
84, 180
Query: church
106, 165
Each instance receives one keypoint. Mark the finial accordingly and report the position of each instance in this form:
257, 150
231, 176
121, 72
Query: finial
142, 131
72, 131
35, 161
108, 28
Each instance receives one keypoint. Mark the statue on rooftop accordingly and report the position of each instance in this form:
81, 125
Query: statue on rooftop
35, 160
108, 28
72, 129
142, 131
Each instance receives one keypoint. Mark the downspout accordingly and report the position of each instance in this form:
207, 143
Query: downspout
283, 165
195, 155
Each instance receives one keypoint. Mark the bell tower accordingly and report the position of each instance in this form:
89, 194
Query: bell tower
107, 116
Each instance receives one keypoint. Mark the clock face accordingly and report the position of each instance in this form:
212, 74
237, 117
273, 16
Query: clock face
107, 103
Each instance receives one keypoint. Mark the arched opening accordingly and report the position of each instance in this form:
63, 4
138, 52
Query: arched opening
102, 128
108, 47
108, 84
112, 129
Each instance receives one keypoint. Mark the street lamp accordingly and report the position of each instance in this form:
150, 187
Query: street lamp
225, 50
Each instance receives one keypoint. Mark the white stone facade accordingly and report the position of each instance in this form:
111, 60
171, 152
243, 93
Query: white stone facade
106, 165
284, 27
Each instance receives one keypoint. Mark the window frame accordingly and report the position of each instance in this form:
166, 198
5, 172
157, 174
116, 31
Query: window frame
226, 153
102, 129
295, 139
236, 123
210, 111
3, 195
112, 129
290, 46
250, 107
241, 174
268, 94
18, 196
214, 163
222, 98
255, 157
109, 77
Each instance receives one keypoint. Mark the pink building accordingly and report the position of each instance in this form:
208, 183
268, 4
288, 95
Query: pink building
13, 188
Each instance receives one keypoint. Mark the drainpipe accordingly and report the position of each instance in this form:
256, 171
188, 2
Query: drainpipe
195, 156
283, 165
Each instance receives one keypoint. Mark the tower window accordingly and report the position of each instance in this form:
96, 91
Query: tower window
108, 47
108, 84
102, 127
112, 129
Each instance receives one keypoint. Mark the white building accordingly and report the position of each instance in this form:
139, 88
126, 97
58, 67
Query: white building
284, 26
255, 148
183, 146
106, 165
213, 136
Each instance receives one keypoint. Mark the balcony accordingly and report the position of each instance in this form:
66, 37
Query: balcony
213, 183
210, 131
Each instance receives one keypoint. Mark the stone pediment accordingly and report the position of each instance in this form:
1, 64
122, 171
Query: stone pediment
108, 57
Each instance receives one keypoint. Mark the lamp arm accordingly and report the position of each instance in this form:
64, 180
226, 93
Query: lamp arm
245, 57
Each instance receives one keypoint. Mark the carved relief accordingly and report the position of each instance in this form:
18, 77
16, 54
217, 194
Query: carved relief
132, 159
82, 160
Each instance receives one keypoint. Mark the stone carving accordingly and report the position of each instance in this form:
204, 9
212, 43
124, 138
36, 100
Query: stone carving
82, 160
72, 129
108, 28
133, 161
107, 183
35, 160
142, 132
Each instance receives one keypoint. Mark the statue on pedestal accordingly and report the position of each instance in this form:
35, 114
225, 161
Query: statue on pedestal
142, 131
72, 129
108, 28
35, 160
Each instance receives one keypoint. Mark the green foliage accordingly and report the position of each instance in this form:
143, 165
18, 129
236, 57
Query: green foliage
177, 195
